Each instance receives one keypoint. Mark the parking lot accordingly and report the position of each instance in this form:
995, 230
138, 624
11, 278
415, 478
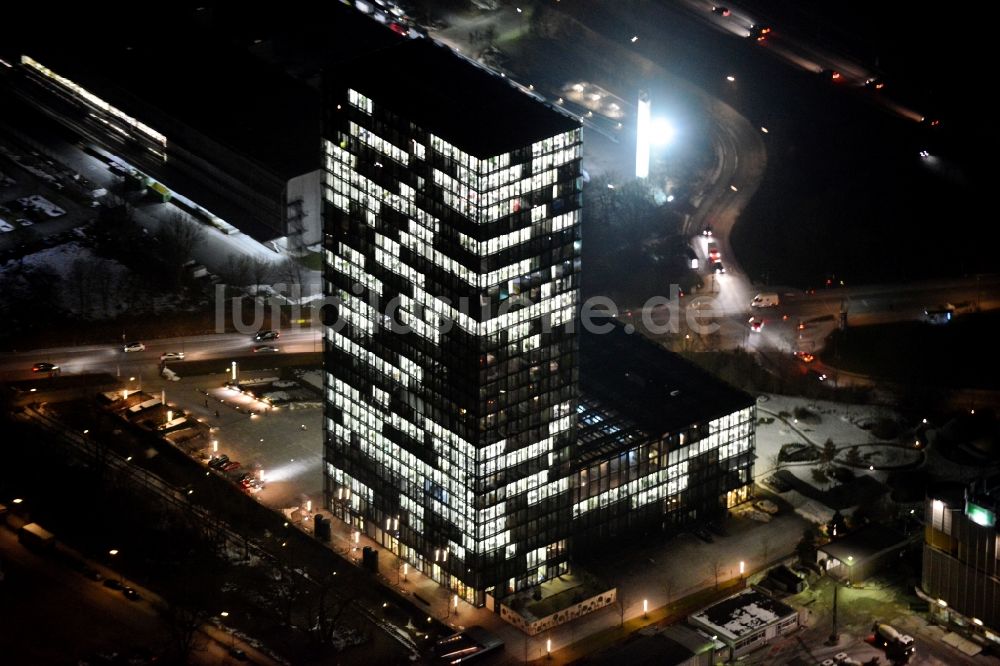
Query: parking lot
34, 212
283, 442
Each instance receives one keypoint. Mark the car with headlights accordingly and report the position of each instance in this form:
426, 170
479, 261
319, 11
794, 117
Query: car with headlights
261, 336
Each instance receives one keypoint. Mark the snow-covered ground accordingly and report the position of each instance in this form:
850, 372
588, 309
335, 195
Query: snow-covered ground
312, 377
838, 422
89, 285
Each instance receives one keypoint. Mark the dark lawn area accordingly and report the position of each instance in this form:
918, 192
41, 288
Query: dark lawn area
960, 354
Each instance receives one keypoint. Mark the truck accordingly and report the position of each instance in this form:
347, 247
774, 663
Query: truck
765, 300
713, 253
35, 536
897, 646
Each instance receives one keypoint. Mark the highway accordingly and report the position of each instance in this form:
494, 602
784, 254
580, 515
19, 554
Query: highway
110, 357
799, 51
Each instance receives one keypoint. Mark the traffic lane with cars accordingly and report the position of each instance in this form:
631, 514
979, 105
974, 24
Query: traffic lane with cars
111, 358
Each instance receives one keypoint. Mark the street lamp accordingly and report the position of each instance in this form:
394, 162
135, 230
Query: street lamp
113, 552
743, 567
834, 635
232, 631
645, 608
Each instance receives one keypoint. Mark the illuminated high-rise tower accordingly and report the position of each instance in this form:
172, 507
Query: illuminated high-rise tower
452, 244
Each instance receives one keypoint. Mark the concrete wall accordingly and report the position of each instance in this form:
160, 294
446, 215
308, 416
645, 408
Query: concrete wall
305, 188
535, 627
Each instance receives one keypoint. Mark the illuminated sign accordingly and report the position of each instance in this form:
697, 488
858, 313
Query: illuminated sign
980, 515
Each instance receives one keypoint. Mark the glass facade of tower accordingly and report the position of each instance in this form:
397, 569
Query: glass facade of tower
451, 363
625, 479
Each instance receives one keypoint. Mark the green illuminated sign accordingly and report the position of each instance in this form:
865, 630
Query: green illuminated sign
980, 515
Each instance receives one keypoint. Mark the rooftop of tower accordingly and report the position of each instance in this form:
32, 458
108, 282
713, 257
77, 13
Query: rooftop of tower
481, 113
637, 383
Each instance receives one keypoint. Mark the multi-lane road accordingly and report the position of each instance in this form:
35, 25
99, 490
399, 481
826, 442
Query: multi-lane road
111, 358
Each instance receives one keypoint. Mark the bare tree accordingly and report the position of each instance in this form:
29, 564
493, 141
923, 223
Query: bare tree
324, 609
261, 271
715, 567
620, 603
765, 550
129, 289
291, 271
179, 235
80, 278
184, 622
104, 282
667, 584
237, 270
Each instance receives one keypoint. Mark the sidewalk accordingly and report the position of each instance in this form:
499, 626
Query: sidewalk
568, 642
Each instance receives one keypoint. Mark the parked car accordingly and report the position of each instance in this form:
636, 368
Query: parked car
767, 506
717, 529
218, 462
265, 348
266, 335
777, 484
702, 534
92, 574
172, 356
230, 466
113, 584
131, 594
133, 347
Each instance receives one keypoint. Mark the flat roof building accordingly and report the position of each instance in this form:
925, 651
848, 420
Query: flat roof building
856, 556
746, 621
662, 443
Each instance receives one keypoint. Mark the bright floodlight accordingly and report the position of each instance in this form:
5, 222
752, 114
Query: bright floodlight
662, 132
643, 131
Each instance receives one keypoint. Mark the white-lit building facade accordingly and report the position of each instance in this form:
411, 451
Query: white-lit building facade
452, 249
